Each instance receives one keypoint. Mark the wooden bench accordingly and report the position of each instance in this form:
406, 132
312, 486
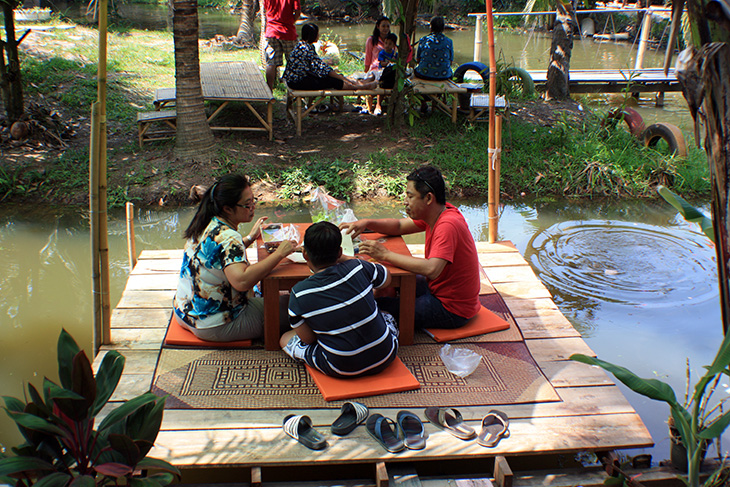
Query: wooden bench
163, 97
441, 93
145, 121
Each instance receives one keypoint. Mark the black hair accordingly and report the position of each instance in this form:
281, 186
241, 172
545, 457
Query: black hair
224, 192
392, 37
376, 30
428, 179
437, 24
322, 241
310, 32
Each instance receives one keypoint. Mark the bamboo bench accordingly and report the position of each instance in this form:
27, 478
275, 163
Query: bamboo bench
163, 97
441, 93
145, 121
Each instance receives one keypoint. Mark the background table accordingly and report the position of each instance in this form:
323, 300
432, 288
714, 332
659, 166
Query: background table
288, 273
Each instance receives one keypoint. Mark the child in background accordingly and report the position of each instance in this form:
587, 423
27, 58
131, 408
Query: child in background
390, 50
337, 326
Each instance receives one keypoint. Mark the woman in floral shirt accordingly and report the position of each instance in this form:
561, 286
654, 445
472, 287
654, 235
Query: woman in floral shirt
306, 71
212, 298
435, 53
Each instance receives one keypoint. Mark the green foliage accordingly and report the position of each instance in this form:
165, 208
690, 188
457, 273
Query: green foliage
62, 446
689, 212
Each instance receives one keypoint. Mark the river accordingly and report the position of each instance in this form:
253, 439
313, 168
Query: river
637, 281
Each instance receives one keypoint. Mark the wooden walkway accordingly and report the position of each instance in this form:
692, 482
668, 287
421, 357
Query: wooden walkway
615, 80
593, 414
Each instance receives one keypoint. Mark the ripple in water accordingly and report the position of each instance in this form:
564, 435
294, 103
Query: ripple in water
626, 263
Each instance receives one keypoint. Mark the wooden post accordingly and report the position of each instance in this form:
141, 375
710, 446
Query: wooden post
131, 248
103, 233
502, 472
255, 476
478, 39
493, 184
381, 475
645, 31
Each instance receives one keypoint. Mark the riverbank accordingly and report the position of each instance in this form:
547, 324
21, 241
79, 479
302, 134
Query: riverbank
548, 149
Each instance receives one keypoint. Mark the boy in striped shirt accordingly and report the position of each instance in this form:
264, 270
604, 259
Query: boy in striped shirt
337, 326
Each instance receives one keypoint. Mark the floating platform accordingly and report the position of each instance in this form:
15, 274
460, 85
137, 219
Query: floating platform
249, 446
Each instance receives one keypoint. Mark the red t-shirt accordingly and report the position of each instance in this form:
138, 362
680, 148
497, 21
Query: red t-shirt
457, 287
280, 19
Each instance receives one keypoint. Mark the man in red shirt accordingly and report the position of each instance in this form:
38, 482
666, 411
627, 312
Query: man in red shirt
281, 34
451, 266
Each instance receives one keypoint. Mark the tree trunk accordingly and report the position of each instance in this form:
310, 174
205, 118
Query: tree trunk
245, 36
558, 74
397, 99
194, 140
10, 81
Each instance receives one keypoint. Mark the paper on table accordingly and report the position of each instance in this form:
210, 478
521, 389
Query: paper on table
347, 247
296, 257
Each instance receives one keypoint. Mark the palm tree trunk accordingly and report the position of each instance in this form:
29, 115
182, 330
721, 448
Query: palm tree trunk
558, 74
10, 81
194, 140
245, 36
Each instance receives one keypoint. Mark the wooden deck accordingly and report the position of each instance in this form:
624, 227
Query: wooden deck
615, 80
593, 415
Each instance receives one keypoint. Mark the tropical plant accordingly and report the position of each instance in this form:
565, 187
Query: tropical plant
62, 445
689, 212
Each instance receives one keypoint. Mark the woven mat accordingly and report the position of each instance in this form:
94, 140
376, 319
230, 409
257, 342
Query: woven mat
257, 379
494, 303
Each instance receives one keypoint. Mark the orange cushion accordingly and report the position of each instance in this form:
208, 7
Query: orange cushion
179, 336
484, 322
396, 378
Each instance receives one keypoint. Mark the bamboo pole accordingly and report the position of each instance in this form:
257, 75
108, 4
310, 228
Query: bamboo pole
131, 247
493, 183
478, 39
94, 224
643, 41
498, 157
103, 236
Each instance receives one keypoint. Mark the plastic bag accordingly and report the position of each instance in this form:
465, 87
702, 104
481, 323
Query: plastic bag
284, 232
324, 207
459, 361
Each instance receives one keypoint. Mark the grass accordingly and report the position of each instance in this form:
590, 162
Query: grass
575, 158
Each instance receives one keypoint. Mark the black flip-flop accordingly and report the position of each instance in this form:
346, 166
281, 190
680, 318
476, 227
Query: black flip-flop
300, 428
386, 432
351, 414
495, 426
413, 430
450, 419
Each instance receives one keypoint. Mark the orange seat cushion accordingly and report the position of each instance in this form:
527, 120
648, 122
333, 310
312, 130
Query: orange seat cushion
484, 322
179, 336
396, 378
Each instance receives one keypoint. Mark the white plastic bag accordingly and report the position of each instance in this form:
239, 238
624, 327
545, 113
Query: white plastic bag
459, 361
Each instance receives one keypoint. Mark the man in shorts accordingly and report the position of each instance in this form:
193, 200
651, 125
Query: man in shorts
281, 34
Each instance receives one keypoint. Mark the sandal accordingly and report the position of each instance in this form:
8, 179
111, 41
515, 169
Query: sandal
300, 428
351, 414
413, 430
386, 432
495, 426
450, 419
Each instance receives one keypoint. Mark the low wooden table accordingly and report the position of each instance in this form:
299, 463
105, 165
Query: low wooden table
288, 273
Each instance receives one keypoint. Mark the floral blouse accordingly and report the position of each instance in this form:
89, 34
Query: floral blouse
434, 56
304, 61
204, 297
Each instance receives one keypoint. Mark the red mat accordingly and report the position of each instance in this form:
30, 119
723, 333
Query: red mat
396, 378
484, 322
178, 336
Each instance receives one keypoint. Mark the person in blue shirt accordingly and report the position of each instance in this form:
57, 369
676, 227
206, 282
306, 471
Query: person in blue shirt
435, 53
390, 50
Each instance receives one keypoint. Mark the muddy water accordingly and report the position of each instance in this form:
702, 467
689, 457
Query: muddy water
633, 278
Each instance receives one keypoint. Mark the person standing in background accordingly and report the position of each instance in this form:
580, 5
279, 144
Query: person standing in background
281, 34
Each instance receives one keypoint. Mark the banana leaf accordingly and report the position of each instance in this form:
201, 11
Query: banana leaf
689, 212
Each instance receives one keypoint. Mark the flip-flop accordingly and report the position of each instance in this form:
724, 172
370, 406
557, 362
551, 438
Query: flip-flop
450, 419
413, 431
386, 432
495, 426
300, 428
351, 414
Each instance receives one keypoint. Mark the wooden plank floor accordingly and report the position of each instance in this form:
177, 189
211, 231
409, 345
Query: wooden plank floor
593, 414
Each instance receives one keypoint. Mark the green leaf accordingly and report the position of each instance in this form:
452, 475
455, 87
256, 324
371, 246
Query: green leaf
126, 446
56, 479
163, 478
689, 212
54, 391
35, 423
107, 379
14, 404
83, 378
157, 464
16, 465
651, 388
67, 350
37, 399
83, 481
123, 411
144, 482
716, 428
145, 423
